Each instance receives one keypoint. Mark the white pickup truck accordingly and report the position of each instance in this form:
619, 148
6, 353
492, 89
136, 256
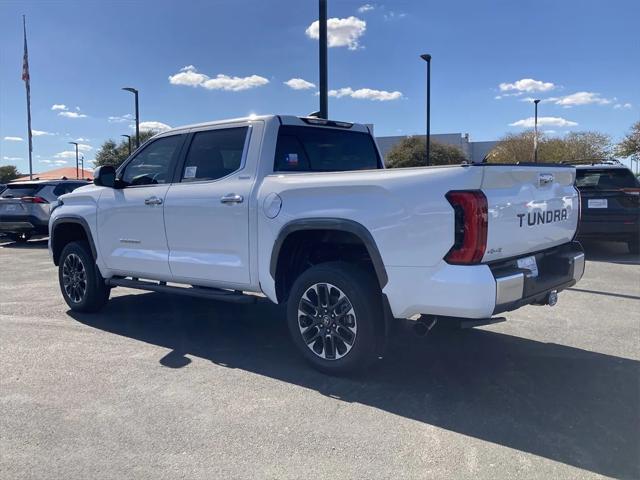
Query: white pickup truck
302, 211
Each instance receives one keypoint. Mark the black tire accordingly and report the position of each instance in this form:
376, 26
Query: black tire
20, 237
362, 294
84, 292
634, 246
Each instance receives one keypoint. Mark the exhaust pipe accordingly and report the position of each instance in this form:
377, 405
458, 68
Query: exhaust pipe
425, 323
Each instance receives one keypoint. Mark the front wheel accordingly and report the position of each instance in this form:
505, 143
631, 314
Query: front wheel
82, 286
334, 314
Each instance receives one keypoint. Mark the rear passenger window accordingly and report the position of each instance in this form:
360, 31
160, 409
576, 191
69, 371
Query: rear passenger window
214, 154
320, 149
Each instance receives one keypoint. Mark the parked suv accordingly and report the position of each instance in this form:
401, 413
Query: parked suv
610, 199
25, 207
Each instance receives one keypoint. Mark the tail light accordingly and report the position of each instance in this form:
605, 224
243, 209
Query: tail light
33, 200
471, 220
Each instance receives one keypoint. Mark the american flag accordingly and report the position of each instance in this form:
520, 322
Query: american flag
25, 60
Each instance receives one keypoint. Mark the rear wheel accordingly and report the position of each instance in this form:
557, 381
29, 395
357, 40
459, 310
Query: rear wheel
82, 286
334, 311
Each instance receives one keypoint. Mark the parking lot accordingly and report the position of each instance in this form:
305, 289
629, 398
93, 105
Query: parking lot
172, 387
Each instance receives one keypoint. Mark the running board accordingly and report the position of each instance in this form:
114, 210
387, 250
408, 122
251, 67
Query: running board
199, 292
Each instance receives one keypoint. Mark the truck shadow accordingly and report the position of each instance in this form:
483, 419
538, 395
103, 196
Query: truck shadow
562, 403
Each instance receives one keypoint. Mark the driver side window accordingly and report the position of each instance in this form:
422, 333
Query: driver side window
152, 165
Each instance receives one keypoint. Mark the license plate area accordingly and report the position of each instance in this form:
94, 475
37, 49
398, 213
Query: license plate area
597, 203
530, 264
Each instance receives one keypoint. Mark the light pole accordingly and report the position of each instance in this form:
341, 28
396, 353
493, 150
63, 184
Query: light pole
128, 138
535, 132
135, 93
322, 41
427, 58
82, 164
76, 144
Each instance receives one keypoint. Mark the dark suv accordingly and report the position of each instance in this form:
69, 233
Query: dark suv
25, 207
610, 202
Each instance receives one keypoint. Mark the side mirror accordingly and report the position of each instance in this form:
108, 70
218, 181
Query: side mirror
105, 176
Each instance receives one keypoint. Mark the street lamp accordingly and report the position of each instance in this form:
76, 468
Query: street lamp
535, 132
135, 93
76, 144
427, 58
322, 41
82, 164
128, 138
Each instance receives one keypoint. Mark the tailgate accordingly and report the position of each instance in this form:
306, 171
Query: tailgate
530, 208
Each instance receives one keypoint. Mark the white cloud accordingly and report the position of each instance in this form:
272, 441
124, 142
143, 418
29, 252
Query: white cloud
190, 76
11, 159
234, 84
66, 154
14, 139
53, 162
83, 147
544, 122
393, 15
366, 94
299, 84
72, 115
580, 98
622, 105
341, 32
367, 7
40, 133
80, 139
58, 106
527, 85
121, 119
152, 125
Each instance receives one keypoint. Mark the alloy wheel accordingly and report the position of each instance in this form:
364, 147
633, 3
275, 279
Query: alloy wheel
74, 278
327, 321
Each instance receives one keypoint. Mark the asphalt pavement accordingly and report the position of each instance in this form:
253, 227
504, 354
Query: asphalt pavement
160, 386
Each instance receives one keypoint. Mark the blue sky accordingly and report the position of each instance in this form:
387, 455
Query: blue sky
195, 61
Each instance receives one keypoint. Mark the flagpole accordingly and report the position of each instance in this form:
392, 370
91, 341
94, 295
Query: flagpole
27, 84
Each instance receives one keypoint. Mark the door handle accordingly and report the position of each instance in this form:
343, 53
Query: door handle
153, 201
232, 198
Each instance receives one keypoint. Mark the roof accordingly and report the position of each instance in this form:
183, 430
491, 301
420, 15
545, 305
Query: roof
65, 173
284, 119
601, 166
44, 182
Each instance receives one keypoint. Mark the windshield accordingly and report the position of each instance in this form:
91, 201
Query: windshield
19, 191
316, 149
605, 179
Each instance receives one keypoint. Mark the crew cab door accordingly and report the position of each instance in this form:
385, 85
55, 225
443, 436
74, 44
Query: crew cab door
207, 209
131, 234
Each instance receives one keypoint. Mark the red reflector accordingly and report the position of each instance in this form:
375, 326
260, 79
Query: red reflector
470, 226
33, 200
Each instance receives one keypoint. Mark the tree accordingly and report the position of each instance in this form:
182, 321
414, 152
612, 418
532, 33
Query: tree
8, 173
573, 147
114, 154
411, 152
630, 144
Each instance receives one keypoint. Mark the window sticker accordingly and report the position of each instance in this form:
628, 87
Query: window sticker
190, 172
291, 159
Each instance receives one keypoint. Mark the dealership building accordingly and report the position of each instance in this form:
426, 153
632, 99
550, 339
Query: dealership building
474, 151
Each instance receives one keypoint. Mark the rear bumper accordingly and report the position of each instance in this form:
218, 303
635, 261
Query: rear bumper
558, 268
23, 224
625, 228
479, 291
